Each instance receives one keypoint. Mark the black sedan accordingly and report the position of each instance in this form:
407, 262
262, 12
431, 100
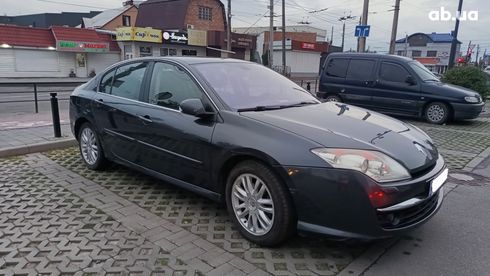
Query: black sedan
238, 132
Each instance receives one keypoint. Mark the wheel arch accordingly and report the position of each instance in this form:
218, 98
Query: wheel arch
78, 124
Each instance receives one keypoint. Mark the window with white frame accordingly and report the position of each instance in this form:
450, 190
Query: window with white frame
205, 13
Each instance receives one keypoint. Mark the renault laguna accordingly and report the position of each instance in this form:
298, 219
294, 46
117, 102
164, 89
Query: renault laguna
240, 133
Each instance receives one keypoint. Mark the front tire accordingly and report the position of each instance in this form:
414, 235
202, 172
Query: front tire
259, 204
437, 113
91, 148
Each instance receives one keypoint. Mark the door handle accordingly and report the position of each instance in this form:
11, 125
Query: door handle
145, 118
100, 100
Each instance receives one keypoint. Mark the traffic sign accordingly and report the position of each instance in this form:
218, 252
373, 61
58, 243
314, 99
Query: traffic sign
362, 30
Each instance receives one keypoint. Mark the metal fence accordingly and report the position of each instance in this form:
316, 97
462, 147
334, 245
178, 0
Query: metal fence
35, 92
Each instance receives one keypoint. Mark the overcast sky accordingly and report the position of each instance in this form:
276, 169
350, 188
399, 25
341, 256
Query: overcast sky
414, 16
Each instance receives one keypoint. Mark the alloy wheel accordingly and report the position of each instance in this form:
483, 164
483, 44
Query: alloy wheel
88, 146
252, 204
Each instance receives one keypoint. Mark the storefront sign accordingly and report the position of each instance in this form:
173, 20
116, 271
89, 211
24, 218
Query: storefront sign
76, 46
139, 34
198, 38
175, 38
309, 46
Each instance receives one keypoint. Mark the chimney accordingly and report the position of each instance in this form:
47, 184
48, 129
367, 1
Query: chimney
128, 3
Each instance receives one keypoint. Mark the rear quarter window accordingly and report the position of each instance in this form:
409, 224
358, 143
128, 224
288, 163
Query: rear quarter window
337, 67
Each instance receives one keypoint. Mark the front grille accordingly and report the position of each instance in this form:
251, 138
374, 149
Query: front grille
405, 217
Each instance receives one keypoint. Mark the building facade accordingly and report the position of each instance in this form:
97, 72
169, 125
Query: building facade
432, 50
182, 28
112, 19
55, 52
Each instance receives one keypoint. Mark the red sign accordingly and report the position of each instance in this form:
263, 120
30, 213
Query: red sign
309, 46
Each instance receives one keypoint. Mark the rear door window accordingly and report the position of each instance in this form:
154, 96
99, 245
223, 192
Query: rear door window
128, 80
337, 67
106, 82
393, 72
361, 69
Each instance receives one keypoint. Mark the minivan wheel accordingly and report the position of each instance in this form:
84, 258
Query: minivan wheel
437, 113
333, 98
90, 147
259, 204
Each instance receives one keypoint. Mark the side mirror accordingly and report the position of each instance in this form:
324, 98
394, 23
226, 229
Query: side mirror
410, 80
195, 107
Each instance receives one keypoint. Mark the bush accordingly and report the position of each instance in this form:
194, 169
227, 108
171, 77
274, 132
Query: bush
469, 77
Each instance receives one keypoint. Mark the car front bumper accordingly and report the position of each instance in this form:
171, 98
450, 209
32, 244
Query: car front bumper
335, 202
464, 111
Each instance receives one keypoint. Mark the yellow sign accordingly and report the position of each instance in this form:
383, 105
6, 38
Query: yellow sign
139, 34
197, 38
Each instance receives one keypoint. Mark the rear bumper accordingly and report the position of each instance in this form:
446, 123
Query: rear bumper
335, 203
464, 111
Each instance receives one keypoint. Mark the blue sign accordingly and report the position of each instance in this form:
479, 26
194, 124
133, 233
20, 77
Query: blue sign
362, 30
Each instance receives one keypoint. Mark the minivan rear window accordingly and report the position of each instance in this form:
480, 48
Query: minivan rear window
337, 67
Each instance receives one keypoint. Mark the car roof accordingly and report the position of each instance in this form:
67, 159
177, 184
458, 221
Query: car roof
370, 55
192, 60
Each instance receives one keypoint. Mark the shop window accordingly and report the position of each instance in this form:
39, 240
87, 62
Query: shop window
126, 20
167, 52
145, 52
400, 52
416, 53
205, 13
432, 53
189, 52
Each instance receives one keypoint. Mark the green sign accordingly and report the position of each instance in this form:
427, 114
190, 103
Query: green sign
76, 46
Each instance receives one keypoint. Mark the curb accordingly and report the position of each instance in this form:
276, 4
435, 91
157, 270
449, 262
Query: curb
477, 160
39, 147
368, 258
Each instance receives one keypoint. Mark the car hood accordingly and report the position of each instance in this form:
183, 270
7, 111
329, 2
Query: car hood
446, 89
345, 126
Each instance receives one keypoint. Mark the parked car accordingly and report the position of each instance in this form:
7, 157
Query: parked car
395, 85
238, 132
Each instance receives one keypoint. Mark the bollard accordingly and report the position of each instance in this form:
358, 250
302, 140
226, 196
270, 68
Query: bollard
308, 86
56, 115
35, 98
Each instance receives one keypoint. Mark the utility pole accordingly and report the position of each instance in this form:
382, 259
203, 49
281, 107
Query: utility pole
228, 31
331, 36
468, 52
284, 37
477, 54
394, 27
360, 20
406, 45
343, 19
452, 54
271, 33
365, 11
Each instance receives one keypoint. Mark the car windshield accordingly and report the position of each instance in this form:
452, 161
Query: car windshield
422, 71
249, 85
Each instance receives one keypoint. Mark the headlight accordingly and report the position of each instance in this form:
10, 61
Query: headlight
472, 99
374, 164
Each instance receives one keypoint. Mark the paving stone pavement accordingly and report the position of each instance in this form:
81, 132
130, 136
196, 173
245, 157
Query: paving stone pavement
459, 142
31, 135
209, 221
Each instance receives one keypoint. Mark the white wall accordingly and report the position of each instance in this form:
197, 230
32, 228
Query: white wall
99, 62
300, 62
443, 50
65, 60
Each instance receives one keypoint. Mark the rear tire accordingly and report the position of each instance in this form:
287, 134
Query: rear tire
437, 113
259, 204
333, 98
91, 148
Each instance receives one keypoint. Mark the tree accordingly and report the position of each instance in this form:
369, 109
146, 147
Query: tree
469, 77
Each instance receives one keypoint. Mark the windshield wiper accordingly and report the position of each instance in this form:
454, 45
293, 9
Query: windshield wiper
260, 108
274, 107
